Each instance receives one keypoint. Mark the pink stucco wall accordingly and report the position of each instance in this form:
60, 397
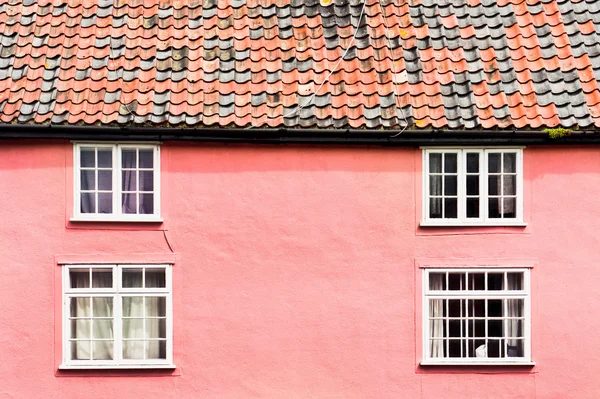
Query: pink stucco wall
297, 274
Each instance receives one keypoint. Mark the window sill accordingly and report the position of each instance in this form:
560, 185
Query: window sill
115, 220
118, 367
479, 363
429, 223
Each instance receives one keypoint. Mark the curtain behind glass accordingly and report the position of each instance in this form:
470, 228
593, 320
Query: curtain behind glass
514, 308
129, 200
435, 185
436, 309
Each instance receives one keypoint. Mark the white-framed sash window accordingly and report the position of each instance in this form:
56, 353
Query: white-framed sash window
116, 182
117, 316
472, 186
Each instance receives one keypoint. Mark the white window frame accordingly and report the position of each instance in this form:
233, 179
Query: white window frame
524, 294
117, 215
483, 219
116, 292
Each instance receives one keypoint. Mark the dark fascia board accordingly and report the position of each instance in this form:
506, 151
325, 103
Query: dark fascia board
391, 137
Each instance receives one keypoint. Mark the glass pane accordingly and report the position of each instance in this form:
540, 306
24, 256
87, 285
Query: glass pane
450, 185
128, 159
450, 207
88, 179
102, 278
105, 202
514, 308
514, 281
456, 281
436, 328
515, 348
510, 163
510, 185
105, 180
495, 328
494, 163
133, 306
146, 180
156, 328
80, 350
80, 328
435, 208
437, 281
133, 350
472, 207
103, 350
472, 163
455, 307
509, 207
493, 185
132, 278
129, 203
435, 163
495, 308
80, 307
103, 329
476, 307
157, 349
155, 278
479, 331
476, 281
435, 185
129, 180
146, 204
450, 163
103, 307
436, 348
80, 278
437, 308
454, 328
105, 158
133, 328
87, 157
493, 208
156, 306
494, 348
495, 281
88, 203
454, 348
472, 185
514, 328
146, 158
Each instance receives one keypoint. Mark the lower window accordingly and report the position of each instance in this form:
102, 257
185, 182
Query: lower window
117, 316
476, 316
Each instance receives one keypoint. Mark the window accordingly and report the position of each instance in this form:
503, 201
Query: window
117, 182
117, 316
472, 186
476, 316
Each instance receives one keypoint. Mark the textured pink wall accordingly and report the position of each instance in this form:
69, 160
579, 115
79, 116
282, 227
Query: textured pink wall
297, 274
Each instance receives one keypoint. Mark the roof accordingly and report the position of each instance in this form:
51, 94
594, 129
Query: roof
453, 64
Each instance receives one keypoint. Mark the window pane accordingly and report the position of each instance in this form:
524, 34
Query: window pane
103, 307
80, 350
472, 185
88, 203
494, 163
156, 306
129, 180
105, 180
514, 328
454, 307
476, 307
146, 204
133, 328
435, 208
105, 158
515, 348
437, 308
510, 185
495, 281
476, 281
454, 348
133, 350
105, 202
450, 205
80, 278
472, 207
437, 281
88, 179
495, 328
435, 185
80, 307
510, 163
493, 185
435, 163
156, 328
129, 203
514, 281
81, 328
128, 159
514, 308
456, 281
101, 278
436, 348
146, 180
495, 308
103, 329
472, 163
133, 306
132, 278
450, 163
494, 348
155, 278
103, 350
87, 158
157, 349
450, 185
493, 208
146, 158
510, 206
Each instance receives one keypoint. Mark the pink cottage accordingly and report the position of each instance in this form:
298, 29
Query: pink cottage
299, 199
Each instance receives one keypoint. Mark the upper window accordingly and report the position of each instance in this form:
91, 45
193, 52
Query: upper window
117, 182
117, 316
472, 186
476, 316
